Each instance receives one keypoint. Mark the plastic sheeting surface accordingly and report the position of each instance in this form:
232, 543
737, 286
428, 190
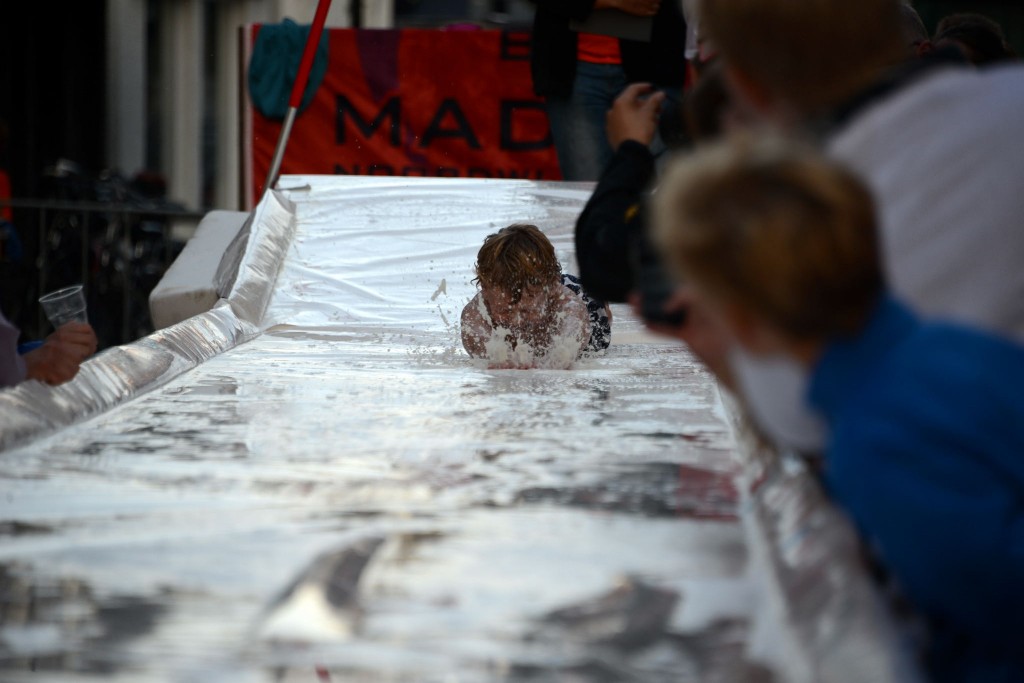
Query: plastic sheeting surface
313, 482
349, 497
119, 373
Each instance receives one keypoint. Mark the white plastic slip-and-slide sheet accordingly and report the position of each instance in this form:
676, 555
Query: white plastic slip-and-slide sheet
348, 497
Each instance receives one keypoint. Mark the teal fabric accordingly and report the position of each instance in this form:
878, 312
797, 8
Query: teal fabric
275, 64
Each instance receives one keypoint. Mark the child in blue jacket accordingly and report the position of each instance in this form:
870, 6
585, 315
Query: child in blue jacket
926, 452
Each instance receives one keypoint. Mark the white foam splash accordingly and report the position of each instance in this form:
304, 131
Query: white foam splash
441, 289
568, 337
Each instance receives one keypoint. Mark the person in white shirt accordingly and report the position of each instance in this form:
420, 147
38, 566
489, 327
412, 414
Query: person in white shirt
937, 142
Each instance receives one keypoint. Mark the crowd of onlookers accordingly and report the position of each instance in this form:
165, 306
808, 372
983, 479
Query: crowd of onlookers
842, 241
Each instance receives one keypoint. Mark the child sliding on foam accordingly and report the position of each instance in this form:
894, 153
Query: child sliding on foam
527, 312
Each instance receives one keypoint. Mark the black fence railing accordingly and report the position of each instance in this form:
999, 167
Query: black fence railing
118, 249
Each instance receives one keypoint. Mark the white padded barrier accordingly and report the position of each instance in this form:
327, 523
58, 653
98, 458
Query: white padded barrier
188, 287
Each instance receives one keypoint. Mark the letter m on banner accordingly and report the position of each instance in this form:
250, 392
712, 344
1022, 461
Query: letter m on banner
389, 114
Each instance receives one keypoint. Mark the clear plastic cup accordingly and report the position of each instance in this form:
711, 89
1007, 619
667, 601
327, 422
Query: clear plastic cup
65, 305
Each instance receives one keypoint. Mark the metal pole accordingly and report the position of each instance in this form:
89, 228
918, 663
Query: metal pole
298, 88
282, 142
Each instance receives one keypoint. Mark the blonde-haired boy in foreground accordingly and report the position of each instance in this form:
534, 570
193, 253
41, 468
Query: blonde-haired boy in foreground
926, 419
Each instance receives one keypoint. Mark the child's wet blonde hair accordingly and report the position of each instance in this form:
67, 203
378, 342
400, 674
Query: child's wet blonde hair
773, 227
516, 258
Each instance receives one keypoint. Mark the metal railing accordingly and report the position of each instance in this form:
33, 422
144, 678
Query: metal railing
118, 250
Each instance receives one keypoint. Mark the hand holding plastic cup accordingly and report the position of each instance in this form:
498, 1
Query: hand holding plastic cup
65, 306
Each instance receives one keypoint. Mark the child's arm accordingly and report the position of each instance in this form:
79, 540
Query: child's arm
571, 331
475, 328
581, 323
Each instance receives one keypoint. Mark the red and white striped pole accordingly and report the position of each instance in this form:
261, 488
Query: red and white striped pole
298, 88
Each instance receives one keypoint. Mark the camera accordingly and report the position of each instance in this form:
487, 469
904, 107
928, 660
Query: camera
653, 282
672, 126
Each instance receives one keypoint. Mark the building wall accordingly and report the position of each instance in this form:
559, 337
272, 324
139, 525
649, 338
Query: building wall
174, 95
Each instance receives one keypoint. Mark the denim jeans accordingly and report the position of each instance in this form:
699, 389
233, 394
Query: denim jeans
578, 121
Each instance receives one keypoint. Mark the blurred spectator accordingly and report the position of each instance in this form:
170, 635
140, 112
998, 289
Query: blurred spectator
915, 34
580, 74
706, 109
927, 419
937, 143
615, 214
10, 242
55, 362
698, 50
832, 51
979, 38
5, 180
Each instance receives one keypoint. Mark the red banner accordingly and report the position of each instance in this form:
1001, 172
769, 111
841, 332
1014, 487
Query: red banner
415, 103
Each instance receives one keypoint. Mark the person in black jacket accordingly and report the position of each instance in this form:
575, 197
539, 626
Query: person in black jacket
580, 74
616, 261
613, 219
614, 215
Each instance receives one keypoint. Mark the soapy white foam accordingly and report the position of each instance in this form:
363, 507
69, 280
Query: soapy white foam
569, 332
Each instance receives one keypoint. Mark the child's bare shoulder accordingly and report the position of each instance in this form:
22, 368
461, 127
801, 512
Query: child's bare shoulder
472, 309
